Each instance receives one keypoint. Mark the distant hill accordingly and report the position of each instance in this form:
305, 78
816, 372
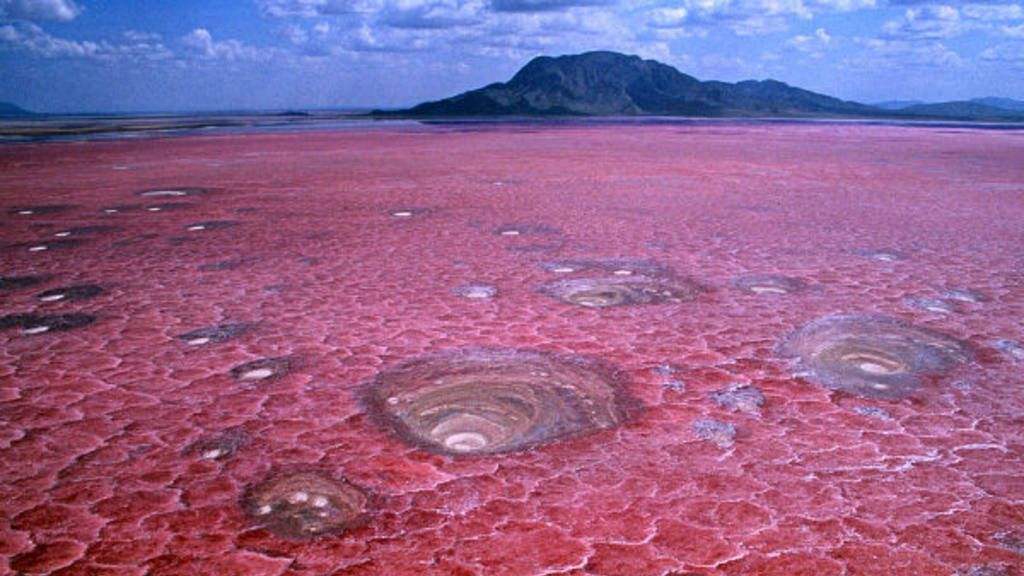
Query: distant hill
897, 104
1004, 103
608, 83
966, 109
8, 110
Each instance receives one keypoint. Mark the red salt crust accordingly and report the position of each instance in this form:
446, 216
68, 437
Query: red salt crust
96, 477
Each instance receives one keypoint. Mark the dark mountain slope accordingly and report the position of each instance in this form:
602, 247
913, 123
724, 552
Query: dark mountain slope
608, 83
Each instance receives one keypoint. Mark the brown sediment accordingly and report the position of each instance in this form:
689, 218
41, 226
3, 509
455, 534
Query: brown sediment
488, 401
305, 505
873, 356
771, 284
622, 291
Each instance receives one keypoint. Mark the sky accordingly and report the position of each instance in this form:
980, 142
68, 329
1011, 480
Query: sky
187, 55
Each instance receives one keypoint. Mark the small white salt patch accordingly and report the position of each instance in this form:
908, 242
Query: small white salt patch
25, 212
265, 509
154, 209
393, 400
767, 290
402, 214
196, 228
164, 193
937, 309
510, 233
258, 374
880, 386
320, 501
212, 454
36, 329
38, 248
51, 297
623, 272
111, 210
62, 234
298, 497
198, 341
563, 269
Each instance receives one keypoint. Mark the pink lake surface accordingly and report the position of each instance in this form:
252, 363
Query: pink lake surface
100, 424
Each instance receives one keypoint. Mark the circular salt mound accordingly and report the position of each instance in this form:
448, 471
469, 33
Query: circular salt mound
621, 291
874, 356
304, 505
494, 401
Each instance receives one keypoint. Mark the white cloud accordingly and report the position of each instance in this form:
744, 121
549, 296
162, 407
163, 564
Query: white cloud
926, 23
62, 10
1012, 54
993, 12
200, 41
29, 37
902, 54
814, 44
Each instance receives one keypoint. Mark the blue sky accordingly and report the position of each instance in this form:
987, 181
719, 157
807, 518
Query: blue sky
142, 55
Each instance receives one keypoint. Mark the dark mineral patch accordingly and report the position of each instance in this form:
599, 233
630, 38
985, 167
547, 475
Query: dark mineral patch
933, 305
120, 208
46, 245
964, 295
1010, 348
169, 207
740, 398
220, 446
882, 255
38, 324
70, 293
512, 230
40, 210
18, 282
873, 412
86, 231
1012, 540
873, 356
215, 334
406, 213
622, 291
305, 505
224, 265
171, 192
262, 369
614, 266
721, 433
492, 401
985, 570
211, 225
771, 284
476, 291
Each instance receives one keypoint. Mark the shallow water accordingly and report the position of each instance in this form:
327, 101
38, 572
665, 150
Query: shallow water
240, 328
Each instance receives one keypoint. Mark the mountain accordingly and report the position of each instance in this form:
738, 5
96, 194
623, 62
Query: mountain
1004, 103
966, 110
897, 104
608, 83
8, 110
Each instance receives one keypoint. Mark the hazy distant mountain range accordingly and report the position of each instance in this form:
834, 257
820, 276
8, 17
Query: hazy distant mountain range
613, 84
8, 110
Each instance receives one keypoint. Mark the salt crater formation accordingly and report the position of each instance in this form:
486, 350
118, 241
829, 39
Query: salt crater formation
494, 401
